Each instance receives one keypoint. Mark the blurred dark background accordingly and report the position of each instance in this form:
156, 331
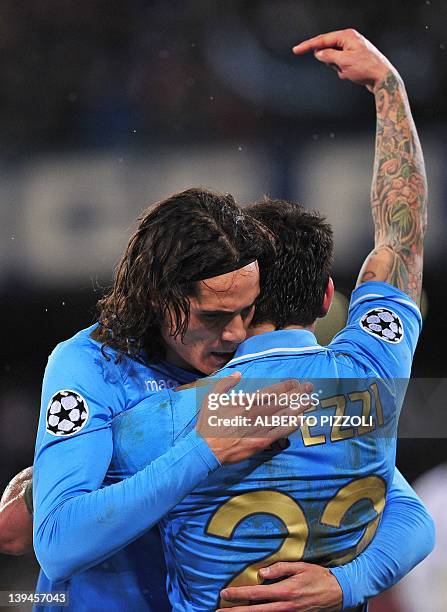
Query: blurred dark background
107, 106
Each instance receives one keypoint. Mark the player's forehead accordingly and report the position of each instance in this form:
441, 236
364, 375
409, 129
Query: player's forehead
231, 291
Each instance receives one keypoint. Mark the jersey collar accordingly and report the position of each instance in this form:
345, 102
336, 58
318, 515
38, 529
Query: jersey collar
281, 342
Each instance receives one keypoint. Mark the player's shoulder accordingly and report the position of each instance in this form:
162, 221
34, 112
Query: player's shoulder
83, 340
382, 329
80, 383
83, 354
372, 294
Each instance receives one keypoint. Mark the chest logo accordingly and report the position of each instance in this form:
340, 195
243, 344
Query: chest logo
383, 324
67, 413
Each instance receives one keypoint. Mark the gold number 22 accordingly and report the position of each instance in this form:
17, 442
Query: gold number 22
228, 516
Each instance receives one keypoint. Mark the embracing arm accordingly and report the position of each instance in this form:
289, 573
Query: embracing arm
16, 522
69, 473
405, 536
78, 522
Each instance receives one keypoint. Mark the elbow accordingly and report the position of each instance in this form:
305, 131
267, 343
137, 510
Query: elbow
55, 560
55, 570
431, 534
59, 554
16, 538
16, 546
426, 528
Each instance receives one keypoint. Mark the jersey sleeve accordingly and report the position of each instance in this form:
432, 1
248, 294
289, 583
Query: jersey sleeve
405, 536
382, 330
77, 524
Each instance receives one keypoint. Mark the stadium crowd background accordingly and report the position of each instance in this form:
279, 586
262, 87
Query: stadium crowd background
106, 106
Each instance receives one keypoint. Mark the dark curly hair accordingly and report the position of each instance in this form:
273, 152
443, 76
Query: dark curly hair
294, 282
190, 235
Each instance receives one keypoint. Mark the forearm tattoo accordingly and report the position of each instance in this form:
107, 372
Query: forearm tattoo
399, 193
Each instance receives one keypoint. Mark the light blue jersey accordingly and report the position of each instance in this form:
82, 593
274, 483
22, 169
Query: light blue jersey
318, 500
91, 539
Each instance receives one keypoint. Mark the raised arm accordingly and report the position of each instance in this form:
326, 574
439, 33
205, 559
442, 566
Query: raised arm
398, 194
399, 188
16, 522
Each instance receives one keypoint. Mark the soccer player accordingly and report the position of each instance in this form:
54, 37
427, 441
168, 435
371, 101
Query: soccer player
193, 256
325, 492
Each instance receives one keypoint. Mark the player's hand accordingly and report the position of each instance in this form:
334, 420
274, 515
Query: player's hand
234, 440
306, 587
354, 57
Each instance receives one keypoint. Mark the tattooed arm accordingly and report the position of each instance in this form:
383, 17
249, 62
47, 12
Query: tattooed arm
398, 195
399, 189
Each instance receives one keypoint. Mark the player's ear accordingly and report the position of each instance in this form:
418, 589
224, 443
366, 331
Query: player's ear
328, 297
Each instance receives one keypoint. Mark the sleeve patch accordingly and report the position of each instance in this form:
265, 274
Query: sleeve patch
67, 413
383, 324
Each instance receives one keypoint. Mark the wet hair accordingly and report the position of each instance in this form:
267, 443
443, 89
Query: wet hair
293, 283
189, 236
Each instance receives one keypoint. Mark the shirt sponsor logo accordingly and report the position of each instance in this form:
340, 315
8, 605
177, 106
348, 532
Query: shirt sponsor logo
162, 384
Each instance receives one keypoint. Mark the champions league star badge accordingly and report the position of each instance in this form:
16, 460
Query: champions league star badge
383, 324
67, 413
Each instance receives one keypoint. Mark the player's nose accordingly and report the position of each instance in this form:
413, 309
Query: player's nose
235, 331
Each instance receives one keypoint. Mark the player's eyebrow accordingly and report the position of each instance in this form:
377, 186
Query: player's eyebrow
226, 312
